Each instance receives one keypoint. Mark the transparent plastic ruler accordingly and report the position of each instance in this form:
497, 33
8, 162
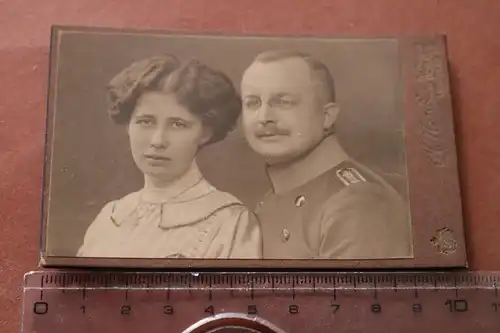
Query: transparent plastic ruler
72, 301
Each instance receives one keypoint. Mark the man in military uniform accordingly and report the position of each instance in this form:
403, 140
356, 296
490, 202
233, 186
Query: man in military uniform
323, 204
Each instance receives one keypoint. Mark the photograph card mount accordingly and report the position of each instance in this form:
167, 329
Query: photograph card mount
126, 108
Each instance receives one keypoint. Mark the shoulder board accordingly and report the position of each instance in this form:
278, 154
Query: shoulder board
349, 174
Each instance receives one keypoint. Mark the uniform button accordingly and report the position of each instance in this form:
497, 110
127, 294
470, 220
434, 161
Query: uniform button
285, 235
300, 201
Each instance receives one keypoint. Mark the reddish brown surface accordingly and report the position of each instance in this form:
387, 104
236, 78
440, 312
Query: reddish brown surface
474, 52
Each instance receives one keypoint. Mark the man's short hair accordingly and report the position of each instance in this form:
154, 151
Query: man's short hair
319, 70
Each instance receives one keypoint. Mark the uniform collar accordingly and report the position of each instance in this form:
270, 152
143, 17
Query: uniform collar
328, 154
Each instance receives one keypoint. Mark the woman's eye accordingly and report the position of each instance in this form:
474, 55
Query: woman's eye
179, 125
144, 122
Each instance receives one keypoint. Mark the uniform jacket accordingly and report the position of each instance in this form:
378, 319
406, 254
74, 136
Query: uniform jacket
201, 222
327, 206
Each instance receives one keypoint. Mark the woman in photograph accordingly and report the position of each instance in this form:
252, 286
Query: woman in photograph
172, 110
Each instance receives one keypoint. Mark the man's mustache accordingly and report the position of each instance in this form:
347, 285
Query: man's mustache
270, 130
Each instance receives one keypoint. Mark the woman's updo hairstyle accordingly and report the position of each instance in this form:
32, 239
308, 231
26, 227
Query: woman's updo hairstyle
204, 91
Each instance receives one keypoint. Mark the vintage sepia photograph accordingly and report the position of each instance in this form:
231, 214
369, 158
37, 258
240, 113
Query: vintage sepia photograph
169, 149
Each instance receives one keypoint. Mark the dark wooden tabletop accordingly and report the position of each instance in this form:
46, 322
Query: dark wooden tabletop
472, 28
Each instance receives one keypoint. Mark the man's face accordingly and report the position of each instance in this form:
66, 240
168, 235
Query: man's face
283, 117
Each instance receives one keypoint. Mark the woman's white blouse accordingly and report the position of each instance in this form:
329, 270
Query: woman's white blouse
203, 222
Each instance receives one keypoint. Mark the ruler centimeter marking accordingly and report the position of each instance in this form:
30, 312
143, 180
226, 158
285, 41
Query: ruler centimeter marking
456, 301
190, 282
148, 280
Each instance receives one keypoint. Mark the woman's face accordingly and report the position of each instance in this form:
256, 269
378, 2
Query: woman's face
164, 136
